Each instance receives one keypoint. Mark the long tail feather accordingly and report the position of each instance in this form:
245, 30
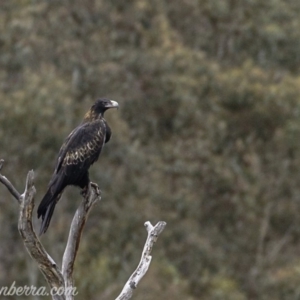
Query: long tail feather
47, 218
46, 209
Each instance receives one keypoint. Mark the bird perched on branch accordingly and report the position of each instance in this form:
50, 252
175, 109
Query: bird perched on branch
79, 151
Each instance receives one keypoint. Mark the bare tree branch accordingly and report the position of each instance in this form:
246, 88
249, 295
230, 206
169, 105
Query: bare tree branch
138, 274
76, 229
8, 184
55, 278
35, 249
63, 280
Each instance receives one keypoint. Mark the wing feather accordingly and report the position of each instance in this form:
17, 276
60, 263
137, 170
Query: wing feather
83, 146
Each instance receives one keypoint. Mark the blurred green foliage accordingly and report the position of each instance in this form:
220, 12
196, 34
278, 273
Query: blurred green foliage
206, 139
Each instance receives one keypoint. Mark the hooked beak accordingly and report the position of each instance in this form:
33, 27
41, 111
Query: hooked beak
114, 104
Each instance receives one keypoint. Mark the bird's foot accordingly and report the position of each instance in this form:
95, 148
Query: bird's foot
85, 191
96, 188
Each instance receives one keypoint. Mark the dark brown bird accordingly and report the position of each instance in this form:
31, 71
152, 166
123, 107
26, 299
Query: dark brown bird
79, 151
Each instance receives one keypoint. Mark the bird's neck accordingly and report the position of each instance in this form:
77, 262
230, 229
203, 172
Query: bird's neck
91, 116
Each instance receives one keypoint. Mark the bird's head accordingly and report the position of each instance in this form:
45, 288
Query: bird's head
99, 107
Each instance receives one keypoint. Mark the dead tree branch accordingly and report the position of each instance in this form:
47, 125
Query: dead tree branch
8, 184
35, 249
76, 229
62, 280
57, 279
138, 274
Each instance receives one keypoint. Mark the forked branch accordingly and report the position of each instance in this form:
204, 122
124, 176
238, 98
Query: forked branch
62, 280
57, 279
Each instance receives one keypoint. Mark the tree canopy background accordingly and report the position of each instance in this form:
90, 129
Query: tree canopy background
206, 139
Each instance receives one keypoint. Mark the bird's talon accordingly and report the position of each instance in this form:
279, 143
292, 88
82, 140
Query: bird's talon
84, 191
96, 188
